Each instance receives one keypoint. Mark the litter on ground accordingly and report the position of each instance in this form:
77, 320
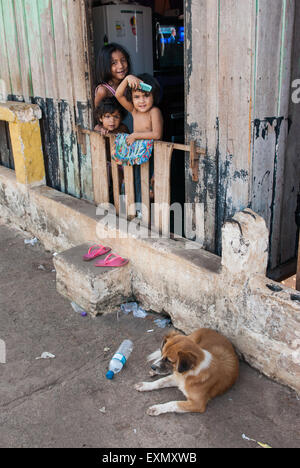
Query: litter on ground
259, 443
78, 309
31, 241
133, 307
46, 355
162, 323
140, 313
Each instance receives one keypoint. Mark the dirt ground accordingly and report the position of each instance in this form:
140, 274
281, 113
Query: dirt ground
67, 401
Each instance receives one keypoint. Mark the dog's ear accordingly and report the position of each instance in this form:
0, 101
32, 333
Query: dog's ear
186, 361
167, 337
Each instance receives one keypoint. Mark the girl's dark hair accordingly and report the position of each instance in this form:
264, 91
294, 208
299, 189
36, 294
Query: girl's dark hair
150, 80
109, 106
103, 66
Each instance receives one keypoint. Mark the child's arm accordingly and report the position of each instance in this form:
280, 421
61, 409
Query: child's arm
132, 82
157, 128
100, 95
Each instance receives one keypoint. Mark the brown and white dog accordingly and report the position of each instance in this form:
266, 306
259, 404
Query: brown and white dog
203, 365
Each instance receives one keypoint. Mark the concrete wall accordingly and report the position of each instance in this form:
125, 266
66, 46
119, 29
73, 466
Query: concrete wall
195, 287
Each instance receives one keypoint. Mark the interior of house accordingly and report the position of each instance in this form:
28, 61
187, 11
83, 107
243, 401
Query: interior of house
154, 37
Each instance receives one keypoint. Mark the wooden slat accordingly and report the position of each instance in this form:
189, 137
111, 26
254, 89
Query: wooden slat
48, 49
12, 47
25, 69
145, 189
70, 161
298, 270
162, 174
235, 70
89, 58
197, 149
129, 191
115, 178
4, 69
82, 87
201, 87
288, 234
76, 15
272, 99
99, 168
264, 140
116, 185
283, 240
32, 26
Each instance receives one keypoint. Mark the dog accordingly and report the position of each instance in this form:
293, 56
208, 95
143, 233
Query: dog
203, 365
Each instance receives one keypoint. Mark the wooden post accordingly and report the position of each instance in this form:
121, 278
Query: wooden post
99, 168
129, 191
115, 178
162, 172
145, 193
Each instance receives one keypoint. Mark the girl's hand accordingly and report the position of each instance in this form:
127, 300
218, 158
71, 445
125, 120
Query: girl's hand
130, 139
133, 82
104, 132
101, 130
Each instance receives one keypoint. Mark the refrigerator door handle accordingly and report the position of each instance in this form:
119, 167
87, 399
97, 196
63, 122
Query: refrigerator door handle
159, 42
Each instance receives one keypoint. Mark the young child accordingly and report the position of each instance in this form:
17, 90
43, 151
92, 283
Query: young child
136, 149
113, 65
147, 117
109, 115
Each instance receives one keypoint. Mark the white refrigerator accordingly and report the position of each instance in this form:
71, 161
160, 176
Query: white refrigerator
129, 26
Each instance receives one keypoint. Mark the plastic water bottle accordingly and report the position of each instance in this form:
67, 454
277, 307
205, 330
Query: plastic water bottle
120, 357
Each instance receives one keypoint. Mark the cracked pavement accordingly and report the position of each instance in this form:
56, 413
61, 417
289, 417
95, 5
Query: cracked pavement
68, 402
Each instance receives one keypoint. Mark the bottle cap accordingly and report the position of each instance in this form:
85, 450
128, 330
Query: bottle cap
110, 374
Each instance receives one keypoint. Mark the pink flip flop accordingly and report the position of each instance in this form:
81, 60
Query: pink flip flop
96, 251
112, 260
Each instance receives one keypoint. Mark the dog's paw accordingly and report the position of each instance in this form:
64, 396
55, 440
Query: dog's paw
153, 410
141, 387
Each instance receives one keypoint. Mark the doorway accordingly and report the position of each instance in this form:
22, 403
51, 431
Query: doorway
165, 43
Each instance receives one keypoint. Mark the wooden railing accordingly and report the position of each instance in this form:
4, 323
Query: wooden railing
163, 152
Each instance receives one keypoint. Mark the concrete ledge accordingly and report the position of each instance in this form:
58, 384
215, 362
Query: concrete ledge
12, 111
189, 284
96, 290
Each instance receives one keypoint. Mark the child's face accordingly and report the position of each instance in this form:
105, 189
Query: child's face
142, 101
111, 121
119, 65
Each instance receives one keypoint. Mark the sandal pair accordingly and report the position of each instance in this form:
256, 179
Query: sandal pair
112, 260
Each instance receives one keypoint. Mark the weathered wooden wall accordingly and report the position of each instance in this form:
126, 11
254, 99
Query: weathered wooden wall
292, 155
238, 64
44, 60
240, 59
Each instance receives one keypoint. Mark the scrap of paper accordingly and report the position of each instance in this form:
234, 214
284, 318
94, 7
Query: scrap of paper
259, 443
